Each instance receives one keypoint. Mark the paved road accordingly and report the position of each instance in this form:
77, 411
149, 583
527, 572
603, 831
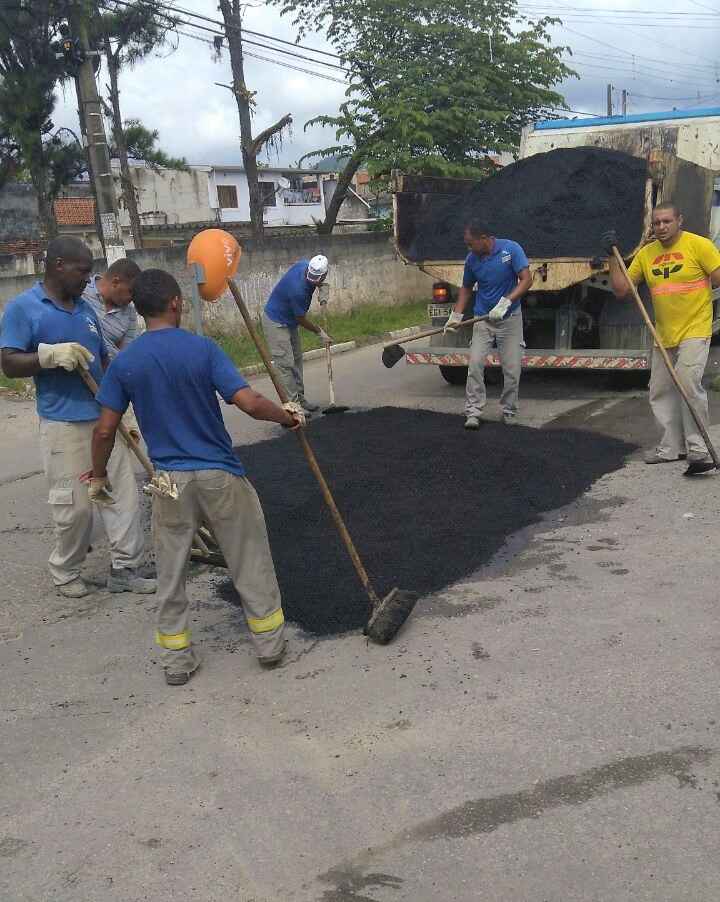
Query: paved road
546, 730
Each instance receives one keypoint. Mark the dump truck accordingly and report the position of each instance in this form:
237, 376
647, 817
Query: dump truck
571, 318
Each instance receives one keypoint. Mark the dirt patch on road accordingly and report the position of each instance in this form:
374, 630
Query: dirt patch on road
427, 503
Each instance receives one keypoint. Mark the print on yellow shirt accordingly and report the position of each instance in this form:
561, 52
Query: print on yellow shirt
679, 280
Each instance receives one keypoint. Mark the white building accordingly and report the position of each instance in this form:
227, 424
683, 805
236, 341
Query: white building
292, 197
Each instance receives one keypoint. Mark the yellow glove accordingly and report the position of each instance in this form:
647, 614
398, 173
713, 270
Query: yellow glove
99, 490
162, 485
69, 355
295, 409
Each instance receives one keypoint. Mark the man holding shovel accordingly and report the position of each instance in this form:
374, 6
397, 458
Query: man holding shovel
172, 378
499, 269
284, 312
680, 269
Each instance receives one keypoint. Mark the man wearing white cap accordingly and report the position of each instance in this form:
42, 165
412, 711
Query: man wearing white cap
287, 309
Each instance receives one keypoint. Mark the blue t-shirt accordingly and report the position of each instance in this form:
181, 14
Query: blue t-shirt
173, 379
291, 297
495, 275
32, 318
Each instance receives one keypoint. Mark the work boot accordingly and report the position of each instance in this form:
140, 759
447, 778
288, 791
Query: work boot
177, 679
472, 423
76, 588
126, 580
308, 406
509, 419
274, 660
698, 462
654, 457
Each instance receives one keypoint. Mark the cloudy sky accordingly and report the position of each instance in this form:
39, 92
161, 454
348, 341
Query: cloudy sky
663, 57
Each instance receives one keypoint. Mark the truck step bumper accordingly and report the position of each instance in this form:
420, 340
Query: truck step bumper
580, 360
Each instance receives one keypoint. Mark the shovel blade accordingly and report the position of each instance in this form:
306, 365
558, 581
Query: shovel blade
391, 355
389, 615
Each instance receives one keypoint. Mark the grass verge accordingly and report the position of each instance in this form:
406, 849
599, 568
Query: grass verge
16, 386
362, 325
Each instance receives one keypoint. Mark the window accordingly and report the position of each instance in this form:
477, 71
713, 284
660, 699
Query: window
227, 197
267, 193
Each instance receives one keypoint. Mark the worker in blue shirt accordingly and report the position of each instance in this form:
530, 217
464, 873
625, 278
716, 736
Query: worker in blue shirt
498, 269
173, 378
287, 309
49, 332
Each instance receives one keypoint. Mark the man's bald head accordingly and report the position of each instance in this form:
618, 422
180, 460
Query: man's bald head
68, 264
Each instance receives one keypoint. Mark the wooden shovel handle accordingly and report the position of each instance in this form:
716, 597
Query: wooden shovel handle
666, 358
307, 450
429, 332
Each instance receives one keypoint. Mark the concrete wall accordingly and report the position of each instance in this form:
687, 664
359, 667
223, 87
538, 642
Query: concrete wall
363, 270
180, 196
19, 217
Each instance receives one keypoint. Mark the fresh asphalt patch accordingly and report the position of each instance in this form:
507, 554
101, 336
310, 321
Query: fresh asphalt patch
426, 502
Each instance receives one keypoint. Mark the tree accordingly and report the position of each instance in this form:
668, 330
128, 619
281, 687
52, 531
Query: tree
140, 145
434, 85
29, 72
128, 34
250, 147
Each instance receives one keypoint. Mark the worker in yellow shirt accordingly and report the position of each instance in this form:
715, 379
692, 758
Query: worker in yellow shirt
680, 269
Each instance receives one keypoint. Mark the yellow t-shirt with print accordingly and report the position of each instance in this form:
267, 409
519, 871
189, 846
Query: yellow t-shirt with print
679, 281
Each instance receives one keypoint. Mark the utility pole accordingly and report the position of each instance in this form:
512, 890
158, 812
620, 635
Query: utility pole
609, 100
92, 127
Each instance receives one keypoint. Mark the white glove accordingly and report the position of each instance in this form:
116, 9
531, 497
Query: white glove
324, 337
99, 491
69, 355
500, 309
295, 409
453, 321
162, 485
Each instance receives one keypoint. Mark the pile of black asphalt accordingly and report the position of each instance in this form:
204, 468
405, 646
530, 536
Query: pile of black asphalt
426, 502
554, 204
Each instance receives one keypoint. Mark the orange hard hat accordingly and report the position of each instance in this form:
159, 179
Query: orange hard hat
218, 253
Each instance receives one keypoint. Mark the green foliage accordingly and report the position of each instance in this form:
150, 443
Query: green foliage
135, 31
435, 84
141, 146
29, 73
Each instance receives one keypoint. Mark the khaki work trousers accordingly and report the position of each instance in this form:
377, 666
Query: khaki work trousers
286, 352
679, 432
66, 453
508, 335
230, 506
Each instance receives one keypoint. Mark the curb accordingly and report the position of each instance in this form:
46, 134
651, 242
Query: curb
340, 348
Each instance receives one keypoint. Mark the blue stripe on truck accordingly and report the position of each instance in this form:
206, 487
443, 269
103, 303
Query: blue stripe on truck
549, 124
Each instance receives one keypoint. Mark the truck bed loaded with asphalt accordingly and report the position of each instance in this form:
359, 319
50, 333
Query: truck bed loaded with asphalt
573, 176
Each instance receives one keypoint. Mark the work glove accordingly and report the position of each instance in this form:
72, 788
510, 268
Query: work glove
608, 241
69, 355
295, 409
99, 491
323, 294
453, 321
500, 309
162, 485
324, 337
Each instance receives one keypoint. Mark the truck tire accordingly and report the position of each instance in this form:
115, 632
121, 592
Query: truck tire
454, 375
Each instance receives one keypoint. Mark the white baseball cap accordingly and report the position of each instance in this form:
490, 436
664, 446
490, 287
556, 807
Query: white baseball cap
317, 268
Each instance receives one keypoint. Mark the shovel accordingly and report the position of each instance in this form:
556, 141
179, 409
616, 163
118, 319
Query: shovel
671, 370
393, 352
389, 613
333, 408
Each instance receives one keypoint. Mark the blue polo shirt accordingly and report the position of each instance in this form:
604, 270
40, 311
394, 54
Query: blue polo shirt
173, 379
495, 275
32, 318
291, 297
